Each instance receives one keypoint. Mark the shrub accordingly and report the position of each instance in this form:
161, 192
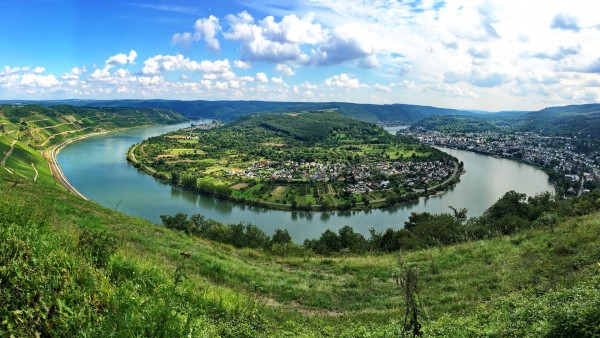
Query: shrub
97, 247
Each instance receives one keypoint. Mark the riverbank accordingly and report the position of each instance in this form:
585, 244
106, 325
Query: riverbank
50, 157
510, 158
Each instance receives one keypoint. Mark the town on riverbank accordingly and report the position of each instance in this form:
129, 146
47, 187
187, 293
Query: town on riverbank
574, 169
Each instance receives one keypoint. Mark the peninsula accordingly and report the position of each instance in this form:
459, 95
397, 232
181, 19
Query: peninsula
298, 161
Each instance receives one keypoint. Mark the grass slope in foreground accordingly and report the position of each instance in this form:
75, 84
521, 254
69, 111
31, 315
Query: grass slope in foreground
70, 267
316, 160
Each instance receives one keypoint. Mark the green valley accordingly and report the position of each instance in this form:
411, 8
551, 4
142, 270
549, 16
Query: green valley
69, 267
301, 161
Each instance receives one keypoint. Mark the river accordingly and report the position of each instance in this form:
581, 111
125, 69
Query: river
96, 166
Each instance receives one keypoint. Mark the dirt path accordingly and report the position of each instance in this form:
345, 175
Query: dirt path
64, 132
40, 120
12, 147
143, 150
36, 172
58, 125
132, 154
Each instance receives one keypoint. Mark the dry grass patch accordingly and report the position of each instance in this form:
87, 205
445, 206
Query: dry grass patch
278, 191
239, 186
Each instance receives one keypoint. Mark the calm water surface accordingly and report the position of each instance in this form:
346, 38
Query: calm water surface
96, 166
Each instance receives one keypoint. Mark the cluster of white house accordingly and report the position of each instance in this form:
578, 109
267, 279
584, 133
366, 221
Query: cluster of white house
369, 176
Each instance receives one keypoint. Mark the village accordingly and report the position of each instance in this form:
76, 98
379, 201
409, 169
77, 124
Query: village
362, 178
557, 153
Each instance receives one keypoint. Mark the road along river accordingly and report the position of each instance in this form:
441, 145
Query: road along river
97, 168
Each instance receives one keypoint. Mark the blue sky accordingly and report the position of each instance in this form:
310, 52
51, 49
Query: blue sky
471, 54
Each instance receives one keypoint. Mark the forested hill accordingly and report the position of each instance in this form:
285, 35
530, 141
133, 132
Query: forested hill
231, 110
41, 126
582, 121
311, 127
457, 124
308, 161
572, 120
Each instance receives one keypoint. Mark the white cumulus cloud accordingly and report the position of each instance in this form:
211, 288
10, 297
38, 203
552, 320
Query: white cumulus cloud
204, 28
121, 59
241, 64
262, 77
284, 69
166, 63
271, 41
381, 88
347, 43
343, 81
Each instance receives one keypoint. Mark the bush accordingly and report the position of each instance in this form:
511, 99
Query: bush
97, 247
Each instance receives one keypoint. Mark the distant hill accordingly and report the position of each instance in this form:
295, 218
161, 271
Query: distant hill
456, 124
567, 120
573, 120
392, 114
564, 121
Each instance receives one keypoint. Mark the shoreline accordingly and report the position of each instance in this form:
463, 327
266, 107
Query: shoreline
534, 165
50, 155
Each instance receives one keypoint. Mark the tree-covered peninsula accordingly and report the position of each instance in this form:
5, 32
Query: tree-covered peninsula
308, 161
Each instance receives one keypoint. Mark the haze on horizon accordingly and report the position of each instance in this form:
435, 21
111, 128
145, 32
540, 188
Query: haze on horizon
488, 54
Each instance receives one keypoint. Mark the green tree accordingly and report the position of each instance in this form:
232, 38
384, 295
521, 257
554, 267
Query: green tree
281, 237
255, 237
174, 178
178, 221
351, 240
415, 219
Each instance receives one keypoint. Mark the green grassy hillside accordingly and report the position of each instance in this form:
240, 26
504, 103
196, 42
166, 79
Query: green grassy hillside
70, 267
61, 274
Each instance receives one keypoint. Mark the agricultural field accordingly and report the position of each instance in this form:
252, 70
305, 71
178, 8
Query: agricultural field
316, 160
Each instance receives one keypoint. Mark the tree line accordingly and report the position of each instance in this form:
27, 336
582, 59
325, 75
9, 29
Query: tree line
512, 212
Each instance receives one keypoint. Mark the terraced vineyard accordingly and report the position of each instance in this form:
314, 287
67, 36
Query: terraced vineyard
41, 126
27, 130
